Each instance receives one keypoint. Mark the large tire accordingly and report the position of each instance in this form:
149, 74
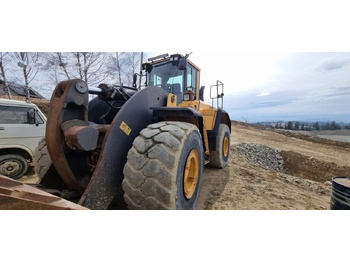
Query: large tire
164, 167
42, 161
13, 166
219, 157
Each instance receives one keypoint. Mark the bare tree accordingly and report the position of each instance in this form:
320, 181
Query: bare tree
5, 59
29, 64
56, 66
133, 65
90, 67
116, 65
62, 63
93, 68
123, 65
245, 119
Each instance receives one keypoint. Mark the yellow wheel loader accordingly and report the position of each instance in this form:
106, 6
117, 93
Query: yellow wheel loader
133, 147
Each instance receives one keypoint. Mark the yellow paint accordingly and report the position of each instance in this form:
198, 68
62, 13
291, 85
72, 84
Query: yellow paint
171, 100
125, 128
206, 110
191, 173
209, 117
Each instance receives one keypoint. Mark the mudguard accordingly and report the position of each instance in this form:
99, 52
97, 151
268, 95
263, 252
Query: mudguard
135, 115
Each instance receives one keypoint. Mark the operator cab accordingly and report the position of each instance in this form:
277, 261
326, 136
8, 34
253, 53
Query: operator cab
172, 73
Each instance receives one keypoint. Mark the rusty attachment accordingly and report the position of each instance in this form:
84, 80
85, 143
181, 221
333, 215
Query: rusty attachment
15, 195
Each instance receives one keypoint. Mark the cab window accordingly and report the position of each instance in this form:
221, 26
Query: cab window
167, 76
192, 77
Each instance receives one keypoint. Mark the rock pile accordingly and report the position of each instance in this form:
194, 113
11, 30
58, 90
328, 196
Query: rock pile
269, 158
261, 155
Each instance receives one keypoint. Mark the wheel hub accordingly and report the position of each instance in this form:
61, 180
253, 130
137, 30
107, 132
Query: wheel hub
9, 168
191, 174
226, 146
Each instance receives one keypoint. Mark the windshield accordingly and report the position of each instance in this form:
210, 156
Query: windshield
167, 76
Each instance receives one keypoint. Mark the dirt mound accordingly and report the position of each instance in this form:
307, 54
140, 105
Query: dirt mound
311, 168
313, 138
291, 162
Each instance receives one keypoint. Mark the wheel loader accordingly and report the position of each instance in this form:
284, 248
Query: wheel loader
133, 147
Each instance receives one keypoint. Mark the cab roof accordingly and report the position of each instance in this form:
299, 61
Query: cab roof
165, 57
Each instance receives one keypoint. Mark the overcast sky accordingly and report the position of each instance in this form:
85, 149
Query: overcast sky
253, 47
263, 86
280, 86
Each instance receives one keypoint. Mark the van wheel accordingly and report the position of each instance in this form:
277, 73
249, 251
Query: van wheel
164, 167
13, 166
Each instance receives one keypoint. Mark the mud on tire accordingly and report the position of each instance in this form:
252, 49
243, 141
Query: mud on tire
158, 165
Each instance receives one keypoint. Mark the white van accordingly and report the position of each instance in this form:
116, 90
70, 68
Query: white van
22, 126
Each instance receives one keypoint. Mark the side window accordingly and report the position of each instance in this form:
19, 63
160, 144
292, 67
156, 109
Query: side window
191, 77
158, 80
154, 80
16, 115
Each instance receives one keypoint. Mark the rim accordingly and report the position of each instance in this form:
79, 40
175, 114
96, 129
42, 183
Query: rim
191, 173
225, 147
10, 168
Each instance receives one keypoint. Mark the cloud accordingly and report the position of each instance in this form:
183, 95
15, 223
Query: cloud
329, 103
253, 100
343, 91
263, 93
329, 93
270, 103
333, 64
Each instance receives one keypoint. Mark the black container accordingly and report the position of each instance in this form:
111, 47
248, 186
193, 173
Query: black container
340, 196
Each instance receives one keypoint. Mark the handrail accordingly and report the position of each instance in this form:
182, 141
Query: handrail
218, 96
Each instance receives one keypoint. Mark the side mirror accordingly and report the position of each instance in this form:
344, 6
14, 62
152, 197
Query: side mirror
134, 79
201, 93
182, 63
148, 68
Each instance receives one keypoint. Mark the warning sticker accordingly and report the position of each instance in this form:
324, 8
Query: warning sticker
125, 128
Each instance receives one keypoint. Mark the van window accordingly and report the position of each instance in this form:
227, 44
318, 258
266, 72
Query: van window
16, 115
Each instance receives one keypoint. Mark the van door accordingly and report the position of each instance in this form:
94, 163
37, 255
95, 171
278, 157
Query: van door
18, 129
